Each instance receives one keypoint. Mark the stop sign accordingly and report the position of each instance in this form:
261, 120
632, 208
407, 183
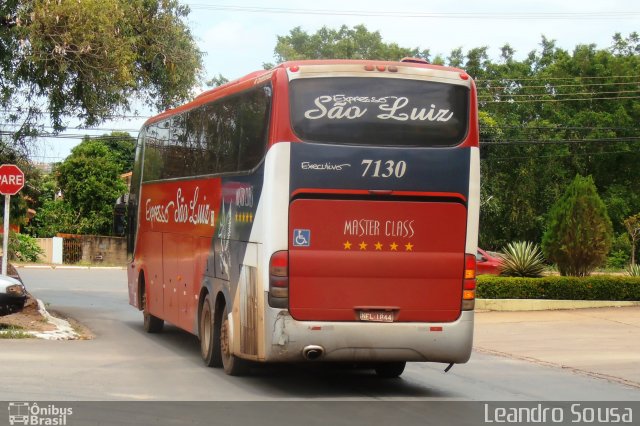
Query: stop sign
11, 179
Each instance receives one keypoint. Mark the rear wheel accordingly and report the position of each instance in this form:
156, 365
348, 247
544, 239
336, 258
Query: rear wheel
152, 324
209, 336
390, 370
232, 365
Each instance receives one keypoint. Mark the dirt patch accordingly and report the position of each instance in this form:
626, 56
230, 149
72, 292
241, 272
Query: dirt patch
81, 330
31, 319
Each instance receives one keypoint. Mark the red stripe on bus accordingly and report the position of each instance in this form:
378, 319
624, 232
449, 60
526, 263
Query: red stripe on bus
374, 192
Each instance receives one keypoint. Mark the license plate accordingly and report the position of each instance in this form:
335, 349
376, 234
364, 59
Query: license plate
376, 316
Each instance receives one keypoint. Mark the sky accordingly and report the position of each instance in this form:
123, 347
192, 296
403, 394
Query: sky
238, 36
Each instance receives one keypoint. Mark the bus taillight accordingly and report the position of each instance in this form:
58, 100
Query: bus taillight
469, 285
279, 279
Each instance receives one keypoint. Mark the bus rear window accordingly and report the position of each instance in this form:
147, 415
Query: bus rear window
379, 111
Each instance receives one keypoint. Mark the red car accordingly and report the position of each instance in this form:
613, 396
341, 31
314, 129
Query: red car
487, 263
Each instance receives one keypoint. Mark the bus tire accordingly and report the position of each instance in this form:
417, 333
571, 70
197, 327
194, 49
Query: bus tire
209, 336
231, 364
390, 370
152, 324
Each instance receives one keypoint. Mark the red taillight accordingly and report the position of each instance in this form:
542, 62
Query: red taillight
369, 68
279, 264
294, 68
469, 283
464, 76
279, 279
381, 68
469, 267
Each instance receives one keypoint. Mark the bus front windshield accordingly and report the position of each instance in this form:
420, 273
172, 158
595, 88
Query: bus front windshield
379, 111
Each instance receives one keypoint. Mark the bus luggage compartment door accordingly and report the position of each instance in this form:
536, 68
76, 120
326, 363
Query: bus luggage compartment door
366, 260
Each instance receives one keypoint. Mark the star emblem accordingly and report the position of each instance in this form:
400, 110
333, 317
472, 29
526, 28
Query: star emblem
394, 246
378, 245
408, 247
347, 245
363, 246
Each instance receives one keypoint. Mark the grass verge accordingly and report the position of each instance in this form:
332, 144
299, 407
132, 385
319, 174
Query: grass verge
13, 332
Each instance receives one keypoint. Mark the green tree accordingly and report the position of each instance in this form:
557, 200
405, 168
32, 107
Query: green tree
553, 115
89, 59
122, 146
23, 248
632, 223
219, 80
578, 236
543, 119
53, 217
90, 182
343, 43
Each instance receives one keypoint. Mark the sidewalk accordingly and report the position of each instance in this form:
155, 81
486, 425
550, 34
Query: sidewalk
63, 266
602, 342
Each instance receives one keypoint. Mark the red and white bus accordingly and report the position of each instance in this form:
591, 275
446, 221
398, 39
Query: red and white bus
318, 211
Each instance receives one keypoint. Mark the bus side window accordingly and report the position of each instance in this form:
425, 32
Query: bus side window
228, 133
211, 138
152, 154
175, 164
254, 118
131, 224
162, 142
196, 143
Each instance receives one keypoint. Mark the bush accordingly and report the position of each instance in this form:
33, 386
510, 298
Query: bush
620, 253
578, 235
633, 270
23, 248
597, 287
521, 259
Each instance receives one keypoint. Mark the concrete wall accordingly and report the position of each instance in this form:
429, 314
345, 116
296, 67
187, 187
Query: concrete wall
95, 250
46, 244
108, 250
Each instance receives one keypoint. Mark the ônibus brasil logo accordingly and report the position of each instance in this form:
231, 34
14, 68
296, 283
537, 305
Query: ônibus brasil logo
30, 413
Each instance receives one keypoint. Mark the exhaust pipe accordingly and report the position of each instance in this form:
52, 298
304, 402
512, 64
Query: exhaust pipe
312, 352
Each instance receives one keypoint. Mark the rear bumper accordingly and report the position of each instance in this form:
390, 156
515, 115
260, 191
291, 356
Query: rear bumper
364, 342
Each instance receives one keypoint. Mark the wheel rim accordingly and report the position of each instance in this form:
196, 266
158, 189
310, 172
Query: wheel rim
145, 314
224, 339
205, 328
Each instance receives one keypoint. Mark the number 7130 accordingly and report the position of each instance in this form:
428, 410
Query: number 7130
383, 168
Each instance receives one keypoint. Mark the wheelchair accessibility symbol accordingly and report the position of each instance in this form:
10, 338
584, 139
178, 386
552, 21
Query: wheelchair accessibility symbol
301, 237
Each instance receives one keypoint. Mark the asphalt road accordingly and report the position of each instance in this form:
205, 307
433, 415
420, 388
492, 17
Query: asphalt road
124, 363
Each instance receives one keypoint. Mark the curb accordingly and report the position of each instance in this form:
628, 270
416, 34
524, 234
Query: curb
63, 331
547, 305
68, 267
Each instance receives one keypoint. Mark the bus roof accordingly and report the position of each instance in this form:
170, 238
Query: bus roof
405, 62
259, 76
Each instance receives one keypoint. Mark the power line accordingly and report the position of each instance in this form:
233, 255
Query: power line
430, 15
559, 141
74, 136
520, 95
509, 101
108, 117
565, 128
93, 129
580, 154
557, 78
555, 86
